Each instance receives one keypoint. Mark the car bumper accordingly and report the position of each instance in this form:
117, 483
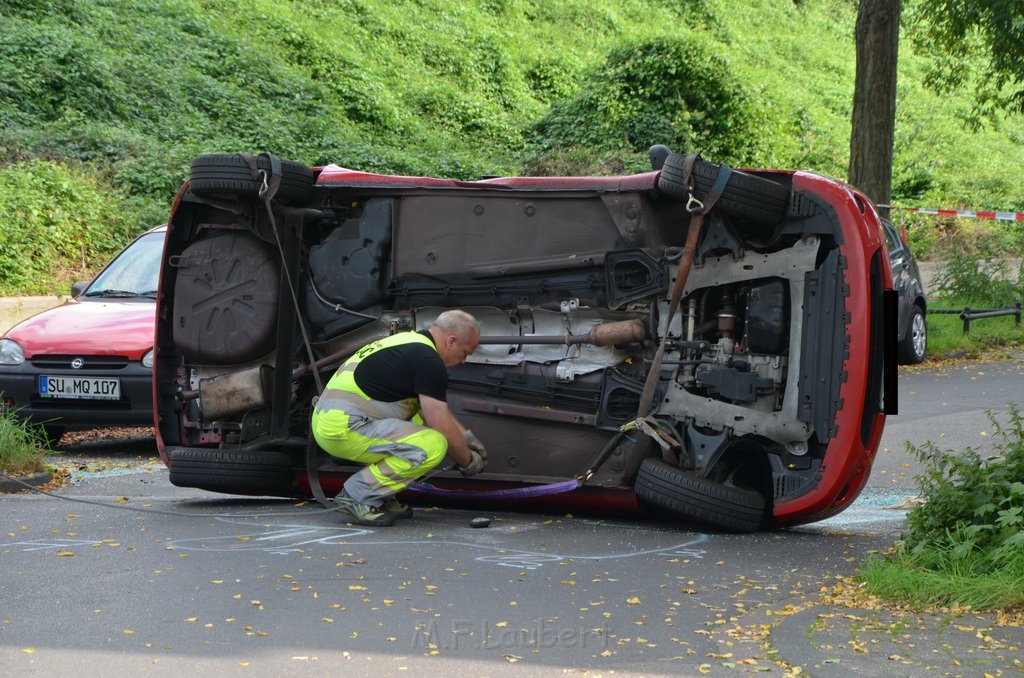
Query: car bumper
20, 393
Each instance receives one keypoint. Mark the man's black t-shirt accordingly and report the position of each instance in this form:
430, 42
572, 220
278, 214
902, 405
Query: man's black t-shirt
403, 371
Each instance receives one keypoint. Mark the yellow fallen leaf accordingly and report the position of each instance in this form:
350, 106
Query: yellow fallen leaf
357, 587
128, 632
502, 624
633, 601
122, 500
191, 619
29, 650
65, 554
715, 655
242, 538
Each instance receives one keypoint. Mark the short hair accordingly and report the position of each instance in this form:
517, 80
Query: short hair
457, 322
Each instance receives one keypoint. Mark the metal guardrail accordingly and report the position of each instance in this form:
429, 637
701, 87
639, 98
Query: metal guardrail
968, 314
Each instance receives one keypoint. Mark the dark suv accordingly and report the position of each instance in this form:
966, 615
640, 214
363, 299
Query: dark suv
709, 361
912, 333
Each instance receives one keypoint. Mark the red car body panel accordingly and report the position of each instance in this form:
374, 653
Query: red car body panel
98, 327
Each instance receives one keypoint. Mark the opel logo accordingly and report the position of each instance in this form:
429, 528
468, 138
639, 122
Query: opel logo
77, 363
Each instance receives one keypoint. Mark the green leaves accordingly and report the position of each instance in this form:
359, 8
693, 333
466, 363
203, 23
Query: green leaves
972, 521
57, 225
676, 91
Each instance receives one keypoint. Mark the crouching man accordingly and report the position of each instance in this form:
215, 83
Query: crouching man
386, 407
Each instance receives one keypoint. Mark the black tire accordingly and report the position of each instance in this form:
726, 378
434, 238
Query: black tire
745, 196
232, 471
914, 345
229, 175
724, 507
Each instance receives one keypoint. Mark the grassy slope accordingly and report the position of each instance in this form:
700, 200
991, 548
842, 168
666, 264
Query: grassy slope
124, 94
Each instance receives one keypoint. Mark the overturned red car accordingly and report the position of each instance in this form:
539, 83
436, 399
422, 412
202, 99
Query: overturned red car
693, 343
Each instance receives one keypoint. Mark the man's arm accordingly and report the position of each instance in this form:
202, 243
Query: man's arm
438, 417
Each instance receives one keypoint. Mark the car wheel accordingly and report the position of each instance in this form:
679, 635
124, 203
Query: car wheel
229, 174
745, 195
915, 344
712, 503
233, 472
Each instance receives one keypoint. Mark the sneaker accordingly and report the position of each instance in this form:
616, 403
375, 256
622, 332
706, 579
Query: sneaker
364, 514
396, 508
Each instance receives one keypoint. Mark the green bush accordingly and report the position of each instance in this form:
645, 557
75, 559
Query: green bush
674, 91
964, 545
57, 225
127, 93
978, 281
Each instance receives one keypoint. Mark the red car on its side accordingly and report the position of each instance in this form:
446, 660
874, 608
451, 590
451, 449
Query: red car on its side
88, 362
750, 333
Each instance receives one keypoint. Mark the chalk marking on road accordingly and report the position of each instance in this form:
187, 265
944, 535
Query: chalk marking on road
287, 539
44, 544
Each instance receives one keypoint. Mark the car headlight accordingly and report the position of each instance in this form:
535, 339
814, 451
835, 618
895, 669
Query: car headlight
147, 360
11, 353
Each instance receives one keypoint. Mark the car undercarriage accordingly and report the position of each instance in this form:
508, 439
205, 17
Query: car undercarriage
759, 341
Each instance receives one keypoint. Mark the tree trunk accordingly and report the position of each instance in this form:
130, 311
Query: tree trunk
874, 98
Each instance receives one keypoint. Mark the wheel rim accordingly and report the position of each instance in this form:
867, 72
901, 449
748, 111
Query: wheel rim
918, 333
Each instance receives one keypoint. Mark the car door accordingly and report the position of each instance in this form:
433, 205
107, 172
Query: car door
899, 262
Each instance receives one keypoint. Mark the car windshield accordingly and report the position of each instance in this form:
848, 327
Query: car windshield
133, 273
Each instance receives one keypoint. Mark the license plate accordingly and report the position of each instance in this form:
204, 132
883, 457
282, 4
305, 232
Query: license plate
79, 388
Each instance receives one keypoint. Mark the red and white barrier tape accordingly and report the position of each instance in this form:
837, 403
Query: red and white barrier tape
1001, 216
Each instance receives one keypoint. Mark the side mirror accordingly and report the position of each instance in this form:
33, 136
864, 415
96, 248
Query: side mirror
78, 288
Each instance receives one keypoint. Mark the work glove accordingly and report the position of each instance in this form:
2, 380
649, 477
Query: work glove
475, 465
473, 443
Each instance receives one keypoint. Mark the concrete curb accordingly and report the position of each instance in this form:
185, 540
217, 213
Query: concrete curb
18, 483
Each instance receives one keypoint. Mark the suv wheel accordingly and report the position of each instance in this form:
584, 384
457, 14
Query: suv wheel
915, 344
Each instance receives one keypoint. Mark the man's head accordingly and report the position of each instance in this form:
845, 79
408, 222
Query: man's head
456, 334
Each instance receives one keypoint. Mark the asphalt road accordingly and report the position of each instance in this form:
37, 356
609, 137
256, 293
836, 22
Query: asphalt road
123, 573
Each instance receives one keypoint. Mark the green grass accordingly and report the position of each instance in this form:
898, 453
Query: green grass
947, 339
950, 583
120, 96
22, 449
964, 545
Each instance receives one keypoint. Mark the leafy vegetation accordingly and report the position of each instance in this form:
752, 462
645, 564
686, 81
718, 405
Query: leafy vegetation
118, 97
22, 448
964, 546
969, 280
58, 224
954, 31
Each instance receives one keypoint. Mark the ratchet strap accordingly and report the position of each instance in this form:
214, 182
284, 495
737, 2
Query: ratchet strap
268, 183
697, 209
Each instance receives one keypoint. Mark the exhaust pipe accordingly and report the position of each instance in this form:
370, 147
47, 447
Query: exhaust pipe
605, 334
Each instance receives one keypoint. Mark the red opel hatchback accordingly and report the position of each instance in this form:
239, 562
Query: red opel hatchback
695, 343
88, 362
